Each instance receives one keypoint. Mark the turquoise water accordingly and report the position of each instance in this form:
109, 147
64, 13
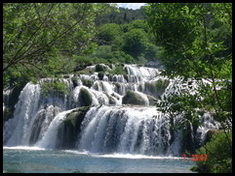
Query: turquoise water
33, 160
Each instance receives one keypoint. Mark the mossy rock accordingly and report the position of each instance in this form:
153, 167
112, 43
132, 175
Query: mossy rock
118, 70
74, 118
162, 83
101, 75
126, 77
84, 97
111, 66
36, 127
70, 128
101, 68
80, 67
111, 100
152, 100
87, 82
14, 96
118, 86
156, 88
13, 99
74, 81
8, 113
209, 134
126, 70
85, 72
133, 98
56, 87
66, 76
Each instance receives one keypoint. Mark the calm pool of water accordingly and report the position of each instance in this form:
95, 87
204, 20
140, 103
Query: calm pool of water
34, 160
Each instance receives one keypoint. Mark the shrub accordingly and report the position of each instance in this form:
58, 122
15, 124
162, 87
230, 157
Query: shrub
219, 151
102, 51
87, 82
55, 86
121, 57
118, 70
85, 72
83, 61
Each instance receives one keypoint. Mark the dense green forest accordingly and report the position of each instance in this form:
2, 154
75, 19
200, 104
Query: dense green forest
121, 16
192, 40
40, 40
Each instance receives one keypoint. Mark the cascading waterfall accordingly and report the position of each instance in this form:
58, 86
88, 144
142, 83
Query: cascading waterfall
121, 117
49, 139
25, 111
6, 94
124, 130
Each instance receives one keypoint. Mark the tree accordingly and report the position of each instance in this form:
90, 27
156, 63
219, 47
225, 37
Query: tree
139, 24
38, 38
151, 52
196, 38
134, 42
120, 16
191, 32
107, 33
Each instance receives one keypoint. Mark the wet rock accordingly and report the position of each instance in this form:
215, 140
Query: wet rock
156, 88
101, 75
102, 68
84, 97
133, 98
70, 128
152, 100
12, 101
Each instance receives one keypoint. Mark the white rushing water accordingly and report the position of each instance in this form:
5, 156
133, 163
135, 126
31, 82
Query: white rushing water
24, 114
110, 125
124, 130
49, 139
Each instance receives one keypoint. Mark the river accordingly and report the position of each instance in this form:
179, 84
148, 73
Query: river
36, 160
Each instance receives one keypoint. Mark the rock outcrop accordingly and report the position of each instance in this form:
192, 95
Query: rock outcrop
133, 98
70, 127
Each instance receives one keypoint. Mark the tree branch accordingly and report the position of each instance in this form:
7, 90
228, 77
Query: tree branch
14, 59
50, 44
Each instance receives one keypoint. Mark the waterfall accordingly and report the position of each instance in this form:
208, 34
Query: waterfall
208, 124
50, 137
23, 115
33, 112
138, 130
121, 116
6, 94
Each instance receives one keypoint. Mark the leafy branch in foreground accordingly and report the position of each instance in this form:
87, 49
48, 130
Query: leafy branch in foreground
36, 33
196, 41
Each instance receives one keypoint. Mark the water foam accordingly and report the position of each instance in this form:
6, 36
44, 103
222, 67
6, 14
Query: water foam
23, 148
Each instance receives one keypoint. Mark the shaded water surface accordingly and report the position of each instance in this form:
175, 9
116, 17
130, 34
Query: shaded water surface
28, 160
